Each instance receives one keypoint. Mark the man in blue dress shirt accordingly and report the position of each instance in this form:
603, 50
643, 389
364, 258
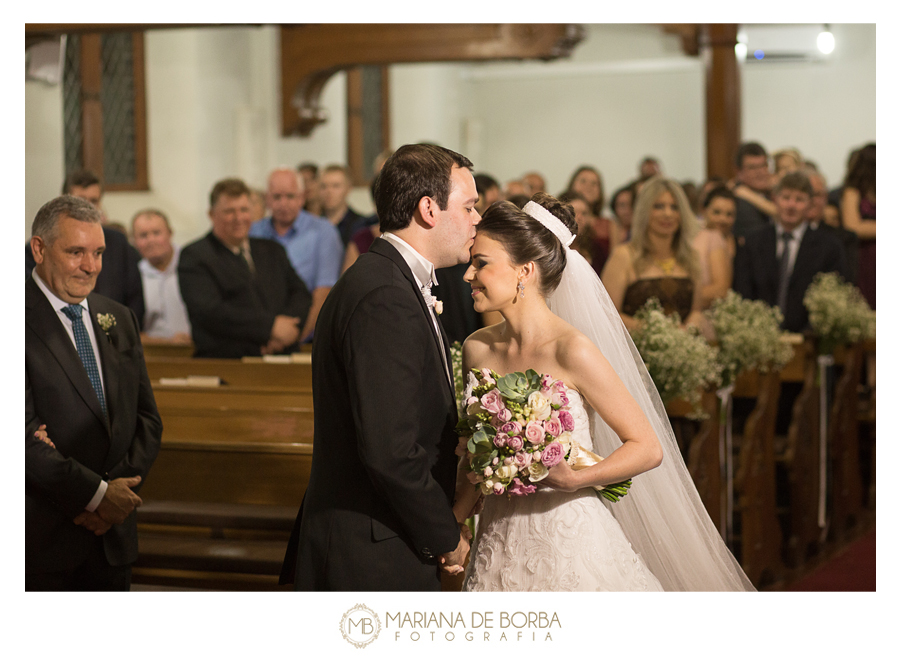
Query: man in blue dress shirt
313, 245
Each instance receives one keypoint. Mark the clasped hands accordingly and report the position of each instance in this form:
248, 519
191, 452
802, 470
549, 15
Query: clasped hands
118, 502
285, 331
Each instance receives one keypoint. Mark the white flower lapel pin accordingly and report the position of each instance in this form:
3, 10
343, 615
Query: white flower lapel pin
106, 321
438, 306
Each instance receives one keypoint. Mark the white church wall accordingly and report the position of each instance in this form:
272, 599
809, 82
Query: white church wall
213, 110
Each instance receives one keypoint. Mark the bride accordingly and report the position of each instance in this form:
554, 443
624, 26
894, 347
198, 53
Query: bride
558, 320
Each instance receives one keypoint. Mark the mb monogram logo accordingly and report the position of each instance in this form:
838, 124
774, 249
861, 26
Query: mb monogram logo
360, 626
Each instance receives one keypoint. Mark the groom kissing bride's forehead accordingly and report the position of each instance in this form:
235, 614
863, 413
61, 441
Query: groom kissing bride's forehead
377, 514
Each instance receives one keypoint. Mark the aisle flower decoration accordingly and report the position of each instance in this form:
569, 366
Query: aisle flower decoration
838, 313
748, 336
517, 427
680, 361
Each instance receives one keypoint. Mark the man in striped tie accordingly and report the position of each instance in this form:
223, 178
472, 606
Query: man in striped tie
85, 383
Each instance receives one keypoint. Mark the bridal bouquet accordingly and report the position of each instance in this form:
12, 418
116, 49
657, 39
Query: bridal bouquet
515, 428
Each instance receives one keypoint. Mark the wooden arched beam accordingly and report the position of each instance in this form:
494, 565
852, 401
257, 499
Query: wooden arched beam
311, 54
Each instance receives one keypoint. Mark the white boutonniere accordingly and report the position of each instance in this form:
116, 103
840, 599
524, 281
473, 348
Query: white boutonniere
106, 321
438, 306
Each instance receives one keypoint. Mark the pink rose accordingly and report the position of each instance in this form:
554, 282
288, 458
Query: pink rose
512, 428
559, 386
567, 421
546, 382
505, 415
500, 440
515, 443
534, 432
498, 488
553, 427
519, 488
552, 454
521, 460
492, 402
486, 376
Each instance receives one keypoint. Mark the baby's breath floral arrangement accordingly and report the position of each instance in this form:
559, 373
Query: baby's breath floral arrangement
838, 313
749, 336
680, 361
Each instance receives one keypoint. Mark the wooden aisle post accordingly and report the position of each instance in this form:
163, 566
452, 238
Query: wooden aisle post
843, 439
800, 459
760, 534
703, 461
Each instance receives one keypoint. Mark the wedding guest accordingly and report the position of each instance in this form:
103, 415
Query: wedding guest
714, 245
312, 244
166, 315
597, 236
786, 161
120, 279
622, 206
588, 183
535, 182
242, 294
257, 204
858, 214
86, 385
821, 217
310, 173
751, 187
778, 263
488, 191
334, 187
719, 210
659, 260
648, 168
516, 187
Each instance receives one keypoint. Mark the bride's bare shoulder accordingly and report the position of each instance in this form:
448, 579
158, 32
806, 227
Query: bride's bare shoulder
480, 342
573, 348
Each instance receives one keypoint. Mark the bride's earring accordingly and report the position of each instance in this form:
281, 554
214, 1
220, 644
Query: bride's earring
521, 289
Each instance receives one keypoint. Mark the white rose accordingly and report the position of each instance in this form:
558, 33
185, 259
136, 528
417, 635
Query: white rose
537, 471
566, 440
540, 406
507, 471
487, 487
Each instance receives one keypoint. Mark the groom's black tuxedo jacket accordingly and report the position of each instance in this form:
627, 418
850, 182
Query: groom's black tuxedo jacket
377, 511
60, 481
756, 270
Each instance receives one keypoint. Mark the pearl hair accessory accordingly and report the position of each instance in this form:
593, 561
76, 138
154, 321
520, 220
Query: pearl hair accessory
550, 222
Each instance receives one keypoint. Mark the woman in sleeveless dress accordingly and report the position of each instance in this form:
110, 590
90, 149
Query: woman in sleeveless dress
659, 261
564, 537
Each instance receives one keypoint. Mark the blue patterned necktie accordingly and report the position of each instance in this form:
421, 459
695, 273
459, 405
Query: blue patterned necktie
85, 351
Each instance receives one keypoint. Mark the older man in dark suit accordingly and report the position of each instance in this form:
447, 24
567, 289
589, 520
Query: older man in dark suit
242, 295
92, 430
377, 513
778, 263
120, 278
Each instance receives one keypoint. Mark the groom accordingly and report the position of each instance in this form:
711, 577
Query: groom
377, 513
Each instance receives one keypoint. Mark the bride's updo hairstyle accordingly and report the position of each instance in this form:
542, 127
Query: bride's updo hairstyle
525, 239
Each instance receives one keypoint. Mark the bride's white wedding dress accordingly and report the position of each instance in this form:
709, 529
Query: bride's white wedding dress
555, 541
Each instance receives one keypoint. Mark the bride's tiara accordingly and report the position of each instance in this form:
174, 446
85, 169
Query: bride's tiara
550, 221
